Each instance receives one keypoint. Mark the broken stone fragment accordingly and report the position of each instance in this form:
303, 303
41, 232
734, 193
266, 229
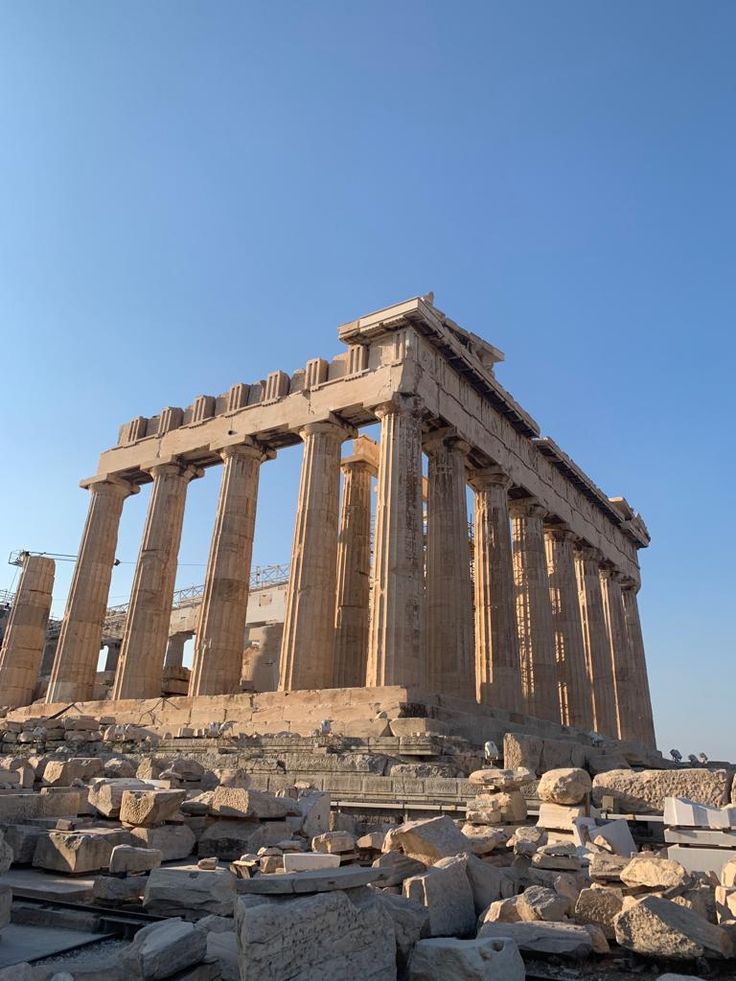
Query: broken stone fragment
151, 767
111, 890
77, 852
492, 779
427, 840
661, 928
600, 906
148, 808
237, 802
540, 903
395, 867
61, 773
106, 794
410, 922
174, 841
655, 873
607, 868
485, 809
645, 791
482, 839
119, 767
184, 891
445, 890
569, 785
334, 842
161, 950
598, 937
482, 959
559, 817
563, 939
488, 883
614, 837
125, 859
372, 841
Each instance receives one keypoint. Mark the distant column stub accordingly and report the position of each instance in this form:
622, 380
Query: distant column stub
395, 606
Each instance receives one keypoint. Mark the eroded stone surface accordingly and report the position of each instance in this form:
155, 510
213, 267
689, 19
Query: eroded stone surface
661, 928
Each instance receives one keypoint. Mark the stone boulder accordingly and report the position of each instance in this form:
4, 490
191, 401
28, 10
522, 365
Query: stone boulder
326, 936
567, 786
186, 769
488, 883
599, 907
125, 859
111, 890
492, 779
562, 939
106, 794
239, 802
334, 842
540, 903
76, 851
314, 807
427, 840
187, 891
174, 841
482, 959
660, 928
539, 755
445, 890
118, 767
644, 792
161, 950
62, 773
148, 808
396, 867
653, 872
151, 767
410, 921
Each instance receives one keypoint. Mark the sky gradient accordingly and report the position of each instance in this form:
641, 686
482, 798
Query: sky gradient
194, 194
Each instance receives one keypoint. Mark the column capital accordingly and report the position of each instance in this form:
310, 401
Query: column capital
489, 477
588, 553
250, 449
174, 468
357, 466
560, 532
630, 585
526, 507
333, 426
447, 436
110, 484
410, 405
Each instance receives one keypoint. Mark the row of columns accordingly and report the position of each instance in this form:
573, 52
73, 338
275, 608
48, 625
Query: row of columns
540, 626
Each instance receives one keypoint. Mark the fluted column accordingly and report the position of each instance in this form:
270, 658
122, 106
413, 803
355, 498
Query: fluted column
353, 576
218, 648
140, 668
396, 652
624, 680
80, 640
595, 640
534, 611
25, 634
497, 674
307, 650
113, 655
644, 715
175, 650
576, 701
450, 653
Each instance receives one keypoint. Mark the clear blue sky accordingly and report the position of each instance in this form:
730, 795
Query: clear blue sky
194, 194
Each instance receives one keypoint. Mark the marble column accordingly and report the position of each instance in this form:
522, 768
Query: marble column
534, 611
307, 650
80, 640
595, 640
353, 576
219, 644
25, 634
175, 650
576, 701
140, 668
113, 655
396, 651
624, 681
644, 715
497, 674
449, 598
49, 655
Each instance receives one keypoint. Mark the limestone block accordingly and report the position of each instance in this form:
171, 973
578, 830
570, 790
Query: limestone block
614, 837
307, 861
481, 838
63, 802
482, 959
598, 937
119, 768
161, 950
607, 868
564, 939
410, 922
325, 936
128, 858
558, 817
682, 813
427, 840
725, 899
418, 727
147, 808
445, 890
110, 890
488, 883
540, 903
106, 795
728, 873
238, 802
566, 786
181, 891
395, 868
502, 911
699, 860
230, 839
62, 773
655, 873
599, 906
334, 842
188, 769
151, 767
371, 842
22, 840
485, 809
492, 779
315, 812
539, 755
661, 928
513, 806
174, 841
75, 851
644, 792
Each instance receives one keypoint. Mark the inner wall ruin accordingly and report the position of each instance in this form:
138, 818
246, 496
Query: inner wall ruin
531, 617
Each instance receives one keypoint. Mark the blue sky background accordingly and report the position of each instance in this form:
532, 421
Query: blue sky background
194, 194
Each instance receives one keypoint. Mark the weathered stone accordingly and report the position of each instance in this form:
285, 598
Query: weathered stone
334, 842
62, 773
229, 839
395, 867
725, 901
315, 811
182, 891
566, 786
485, 809
482, 959
151, 767
76, 851
111, 890
445, 890
493, 780
540, 755
614, 837
661, 928
6, 901
301, 862
238, 802
187, 768
644, 792
564, 939
728, 873
174, 841
325, 936
127, 858
488, 883
410, 921
147, 808
371, 842
119, 768
482, 839
559, 817
539, 903
654, 873
599, 906
22, 840
502, 911
607, 868
106, 795
427, 840
161, 950
598, 937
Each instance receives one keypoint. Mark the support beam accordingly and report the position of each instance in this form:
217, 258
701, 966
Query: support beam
25, 633
140, 668
80, 640
307, 650
450, 649
218, 650
624, 677
644, 716
396, 651
595, 640
497, 674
